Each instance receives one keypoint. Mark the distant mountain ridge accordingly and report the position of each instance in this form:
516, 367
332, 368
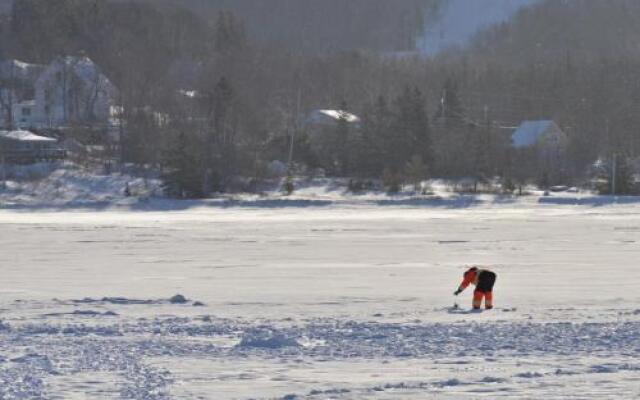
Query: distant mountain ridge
574, 31
5, 6
428, 26
378, 25
460, 20
314, 25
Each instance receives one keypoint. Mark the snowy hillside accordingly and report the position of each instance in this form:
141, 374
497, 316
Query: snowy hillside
459, 20
67, 185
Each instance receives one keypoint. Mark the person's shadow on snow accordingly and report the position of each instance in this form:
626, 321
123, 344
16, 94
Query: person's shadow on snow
455, 309
458, 310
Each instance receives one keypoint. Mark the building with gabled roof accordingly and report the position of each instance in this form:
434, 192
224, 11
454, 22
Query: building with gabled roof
538, 133
23, 147
539, 148
73, 90
17, 80
332, 117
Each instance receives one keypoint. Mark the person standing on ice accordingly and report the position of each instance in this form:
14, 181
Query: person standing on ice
483, 279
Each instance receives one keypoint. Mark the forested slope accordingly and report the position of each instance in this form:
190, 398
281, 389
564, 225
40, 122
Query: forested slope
328, 24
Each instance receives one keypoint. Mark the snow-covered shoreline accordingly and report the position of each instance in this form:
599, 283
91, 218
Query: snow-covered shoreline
68, 187
143, 199
453, 202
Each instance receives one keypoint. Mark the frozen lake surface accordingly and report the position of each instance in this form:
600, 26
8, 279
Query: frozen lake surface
335, 302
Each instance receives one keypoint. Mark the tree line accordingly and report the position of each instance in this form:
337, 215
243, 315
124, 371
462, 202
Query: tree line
208, 101
328, 25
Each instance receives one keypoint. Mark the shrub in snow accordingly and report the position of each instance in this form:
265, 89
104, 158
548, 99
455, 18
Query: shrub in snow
178, 299
392, 181
288, 186
508, 185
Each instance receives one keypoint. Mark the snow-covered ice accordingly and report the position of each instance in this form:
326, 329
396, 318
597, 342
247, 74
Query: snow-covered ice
340, 301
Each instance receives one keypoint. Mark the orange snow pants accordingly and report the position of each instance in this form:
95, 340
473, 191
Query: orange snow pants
484, 289
477, 299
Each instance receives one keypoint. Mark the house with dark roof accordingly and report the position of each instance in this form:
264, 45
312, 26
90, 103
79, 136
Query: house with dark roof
321, 124
331, 119
328, 131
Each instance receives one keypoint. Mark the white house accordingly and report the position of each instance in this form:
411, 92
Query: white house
17, 80
541, 133
25, 114
540, 149
70, 90
73, 90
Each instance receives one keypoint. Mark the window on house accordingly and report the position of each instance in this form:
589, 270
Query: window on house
26, 111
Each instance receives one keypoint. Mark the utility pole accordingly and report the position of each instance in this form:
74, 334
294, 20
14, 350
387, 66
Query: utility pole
613, 174
443, 101
12, 86
4, 169
614, 160
293, 132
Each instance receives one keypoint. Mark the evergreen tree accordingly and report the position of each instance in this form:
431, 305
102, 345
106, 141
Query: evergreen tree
392, 181
450, 110
336, 144
625, 181
230, 33
420, 129
454, 133
376, 137
222, 99
183, 178
343, 141
219, 149
481, 144
411, 130
416, 171
624, 177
